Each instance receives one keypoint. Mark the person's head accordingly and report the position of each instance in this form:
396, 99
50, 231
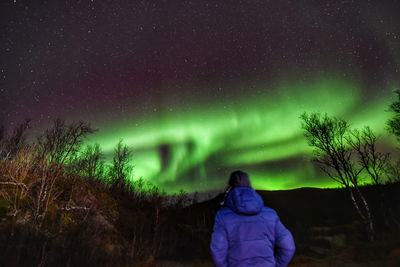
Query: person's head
239, 179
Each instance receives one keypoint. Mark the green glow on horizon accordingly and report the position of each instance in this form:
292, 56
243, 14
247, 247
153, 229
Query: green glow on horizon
258, 129
289, 179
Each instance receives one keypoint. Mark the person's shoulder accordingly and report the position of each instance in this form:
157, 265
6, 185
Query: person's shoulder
224, 214
266, 208
269, 211
224, 210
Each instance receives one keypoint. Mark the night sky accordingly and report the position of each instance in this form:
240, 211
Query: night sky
201, 88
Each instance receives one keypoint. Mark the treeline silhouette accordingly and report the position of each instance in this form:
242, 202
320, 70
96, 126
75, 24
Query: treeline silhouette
63, 204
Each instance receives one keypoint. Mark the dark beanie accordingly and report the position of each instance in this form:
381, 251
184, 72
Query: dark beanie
239, 179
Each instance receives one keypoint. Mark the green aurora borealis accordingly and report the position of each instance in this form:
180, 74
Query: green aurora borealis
197, 148
198, 89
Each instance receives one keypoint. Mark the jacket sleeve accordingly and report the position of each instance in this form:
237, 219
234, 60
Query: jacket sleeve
219, 242
284, 243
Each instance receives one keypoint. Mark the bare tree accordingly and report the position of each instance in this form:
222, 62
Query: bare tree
92, 162
121, 168
11, 145
58, 144
334, 155
16, 181
393, 124
394, 172
374, 163
63, 140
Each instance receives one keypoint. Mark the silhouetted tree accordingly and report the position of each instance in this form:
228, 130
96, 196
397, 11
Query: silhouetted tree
11, 145
393, 126
121, 167
92, 162
63, 140
373, 162
394, 172
334, 155
394, 123
377, 166
57, 144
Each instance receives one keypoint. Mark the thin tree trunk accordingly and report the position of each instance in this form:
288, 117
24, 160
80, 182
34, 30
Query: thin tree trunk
355, 204
370, 223
132, 252
43, 256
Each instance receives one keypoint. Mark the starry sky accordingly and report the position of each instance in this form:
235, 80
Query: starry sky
200, 88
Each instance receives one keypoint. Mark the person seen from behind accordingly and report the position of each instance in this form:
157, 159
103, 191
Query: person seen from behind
246, 233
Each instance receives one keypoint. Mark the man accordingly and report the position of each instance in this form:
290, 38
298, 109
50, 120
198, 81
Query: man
246, 233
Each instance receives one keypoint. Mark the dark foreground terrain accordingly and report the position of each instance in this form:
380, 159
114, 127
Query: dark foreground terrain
125, 229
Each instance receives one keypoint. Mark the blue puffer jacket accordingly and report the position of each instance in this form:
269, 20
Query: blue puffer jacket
248, 234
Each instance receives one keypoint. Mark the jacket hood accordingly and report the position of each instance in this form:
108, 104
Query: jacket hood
239, 179
244, 200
